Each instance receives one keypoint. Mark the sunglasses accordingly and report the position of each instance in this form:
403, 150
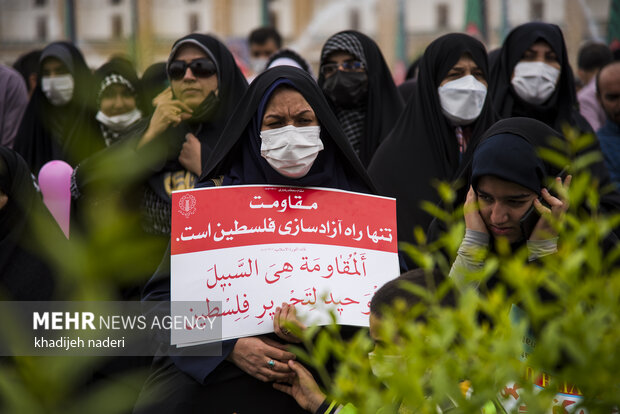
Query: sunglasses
348, 66
201, 68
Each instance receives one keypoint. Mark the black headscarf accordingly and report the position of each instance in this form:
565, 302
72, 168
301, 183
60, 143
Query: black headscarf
383, 104
423, 145
23, 274
538, 135
154, 80
541, 135
117, 66
231, 86
238, 156
506, 164
561, 107
68, 132
509, 157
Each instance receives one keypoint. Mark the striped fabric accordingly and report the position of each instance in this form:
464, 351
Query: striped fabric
351, 120
346, 43
112, 79
352, 123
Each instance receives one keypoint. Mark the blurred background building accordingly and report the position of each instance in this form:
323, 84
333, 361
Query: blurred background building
145, 29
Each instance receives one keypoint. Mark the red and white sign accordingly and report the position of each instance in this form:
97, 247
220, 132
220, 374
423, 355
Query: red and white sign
244, 250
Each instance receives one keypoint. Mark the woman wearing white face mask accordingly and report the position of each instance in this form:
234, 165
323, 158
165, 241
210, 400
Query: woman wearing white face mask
117, 98
59, 123
118, 117
431, 141
532, 77
285, 133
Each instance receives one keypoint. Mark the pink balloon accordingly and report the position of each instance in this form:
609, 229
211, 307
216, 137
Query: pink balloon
55, 184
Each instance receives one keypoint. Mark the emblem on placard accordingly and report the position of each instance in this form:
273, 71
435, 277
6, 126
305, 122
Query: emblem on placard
187, 205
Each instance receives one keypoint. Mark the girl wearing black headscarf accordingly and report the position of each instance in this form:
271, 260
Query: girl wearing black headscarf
438, 129
119, 99
247, 157
59, 123
119, 114
360, 89
507, 178
24, 274
532, 78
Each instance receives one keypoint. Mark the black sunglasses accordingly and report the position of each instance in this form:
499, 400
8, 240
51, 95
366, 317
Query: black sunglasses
202, 68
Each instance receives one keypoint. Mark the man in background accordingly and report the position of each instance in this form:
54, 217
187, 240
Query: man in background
592, 57
263, 42
608, 93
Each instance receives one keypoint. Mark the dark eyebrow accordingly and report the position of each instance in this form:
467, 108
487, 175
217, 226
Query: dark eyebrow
302, 112
273, 116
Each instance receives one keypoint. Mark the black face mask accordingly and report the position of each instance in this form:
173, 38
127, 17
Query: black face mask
207, 109
347, 90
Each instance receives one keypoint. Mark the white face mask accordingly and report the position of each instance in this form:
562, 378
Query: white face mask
462, 99
118, 123
534, 82
291, 151
58, 89
258, 64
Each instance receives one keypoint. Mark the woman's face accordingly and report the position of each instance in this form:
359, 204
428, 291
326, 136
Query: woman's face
192, 89
464, 67
52, 67
288, 107
502, 204
117, 99
342, 61
541, 52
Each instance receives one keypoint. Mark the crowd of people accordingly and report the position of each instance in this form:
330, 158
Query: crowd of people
467, 117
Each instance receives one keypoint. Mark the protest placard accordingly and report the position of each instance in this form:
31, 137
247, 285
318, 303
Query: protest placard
242, 251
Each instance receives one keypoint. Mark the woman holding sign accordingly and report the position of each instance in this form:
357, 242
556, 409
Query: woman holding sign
284, 134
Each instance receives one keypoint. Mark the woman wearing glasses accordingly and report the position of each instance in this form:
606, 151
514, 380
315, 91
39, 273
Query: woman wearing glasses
172, 144
205, 86
359, 87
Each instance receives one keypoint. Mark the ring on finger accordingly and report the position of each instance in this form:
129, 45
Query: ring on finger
271, 363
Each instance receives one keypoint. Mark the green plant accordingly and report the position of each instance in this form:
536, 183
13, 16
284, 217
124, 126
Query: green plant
566, 336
